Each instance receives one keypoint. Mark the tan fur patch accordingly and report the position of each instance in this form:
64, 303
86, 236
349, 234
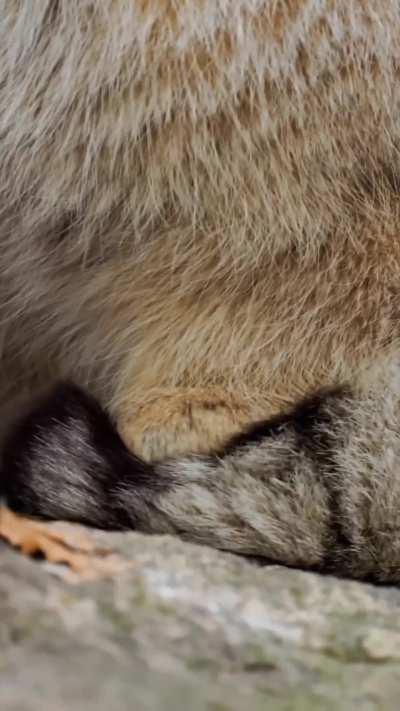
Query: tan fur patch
175, 422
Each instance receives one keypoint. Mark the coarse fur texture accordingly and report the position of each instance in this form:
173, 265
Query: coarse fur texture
199, 216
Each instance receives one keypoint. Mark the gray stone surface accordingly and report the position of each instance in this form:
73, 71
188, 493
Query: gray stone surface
190, 628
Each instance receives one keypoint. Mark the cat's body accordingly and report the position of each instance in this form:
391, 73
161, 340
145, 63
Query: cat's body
199, 218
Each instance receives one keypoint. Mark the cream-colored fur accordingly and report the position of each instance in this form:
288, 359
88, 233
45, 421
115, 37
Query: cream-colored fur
199, 205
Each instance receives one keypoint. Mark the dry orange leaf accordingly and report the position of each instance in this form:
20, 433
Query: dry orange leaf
69, 547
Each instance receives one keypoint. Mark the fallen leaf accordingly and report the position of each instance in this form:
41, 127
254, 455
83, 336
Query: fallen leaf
67, 547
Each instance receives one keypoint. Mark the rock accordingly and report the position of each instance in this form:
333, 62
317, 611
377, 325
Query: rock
186, 627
